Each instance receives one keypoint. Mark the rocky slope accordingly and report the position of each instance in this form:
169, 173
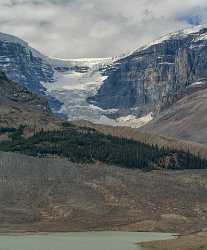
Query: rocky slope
186, 119
18, 107
153, 77
57, 195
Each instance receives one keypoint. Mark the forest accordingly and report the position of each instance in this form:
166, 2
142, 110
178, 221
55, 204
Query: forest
86, 145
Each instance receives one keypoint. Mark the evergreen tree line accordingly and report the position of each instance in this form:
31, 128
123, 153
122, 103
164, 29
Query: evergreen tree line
84, 145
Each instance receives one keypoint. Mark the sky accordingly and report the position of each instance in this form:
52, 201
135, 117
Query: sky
96, 28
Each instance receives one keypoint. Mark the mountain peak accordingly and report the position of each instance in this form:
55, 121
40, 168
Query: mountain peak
180, 34
12, 39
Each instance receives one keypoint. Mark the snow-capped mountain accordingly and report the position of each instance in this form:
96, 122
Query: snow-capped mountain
66, 82
127, 90
26, 66
154, 76
23, 64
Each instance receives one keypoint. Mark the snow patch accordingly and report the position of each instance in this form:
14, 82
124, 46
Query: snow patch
202, 37
197, 83
91, 63
166, 63
133, 121
125, 121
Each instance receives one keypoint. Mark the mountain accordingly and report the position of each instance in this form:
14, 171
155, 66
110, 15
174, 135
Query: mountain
23, 64
154, 77
86, 176
28, 126
67, 83
26, 66
18, 107
130, 90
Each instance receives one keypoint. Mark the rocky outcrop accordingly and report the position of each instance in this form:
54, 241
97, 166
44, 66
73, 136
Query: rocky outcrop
154, 77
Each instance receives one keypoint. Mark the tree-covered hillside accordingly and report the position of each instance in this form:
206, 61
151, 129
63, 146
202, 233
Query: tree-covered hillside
86, 145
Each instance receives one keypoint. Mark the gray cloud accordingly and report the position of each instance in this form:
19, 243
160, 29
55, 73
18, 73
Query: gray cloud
96, 28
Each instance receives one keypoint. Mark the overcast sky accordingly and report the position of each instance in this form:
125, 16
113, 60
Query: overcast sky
96, 28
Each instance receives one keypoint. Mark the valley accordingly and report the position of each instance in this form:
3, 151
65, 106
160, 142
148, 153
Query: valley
106, 144
145, 86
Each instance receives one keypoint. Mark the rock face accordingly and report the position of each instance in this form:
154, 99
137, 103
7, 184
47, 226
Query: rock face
26, 66
23, 64
154, 76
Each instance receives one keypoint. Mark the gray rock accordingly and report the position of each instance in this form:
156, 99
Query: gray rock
154, 77
25, 66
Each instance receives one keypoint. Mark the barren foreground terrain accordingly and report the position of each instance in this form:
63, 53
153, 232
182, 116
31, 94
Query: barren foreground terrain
57, 195
196, 241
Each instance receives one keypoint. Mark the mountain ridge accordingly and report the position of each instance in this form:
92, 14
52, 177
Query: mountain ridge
130, 90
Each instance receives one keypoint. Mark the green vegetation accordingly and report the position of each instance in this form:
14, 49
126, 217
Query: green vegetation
86, 145
7, 130
17, 134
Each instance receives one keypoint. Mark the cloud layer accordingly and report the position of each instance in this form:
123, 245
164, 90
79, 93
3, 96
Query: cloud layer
96, 28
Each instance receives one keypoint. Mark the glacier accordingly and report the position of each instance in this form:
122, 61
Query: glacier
68, 83
72, 86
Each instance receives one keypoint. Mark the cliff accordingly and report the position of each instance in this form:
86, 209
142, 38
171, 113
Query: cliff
154, 77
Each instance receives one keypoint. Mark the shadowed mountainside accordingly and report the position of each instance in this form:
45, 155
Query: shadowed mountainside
18, 107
